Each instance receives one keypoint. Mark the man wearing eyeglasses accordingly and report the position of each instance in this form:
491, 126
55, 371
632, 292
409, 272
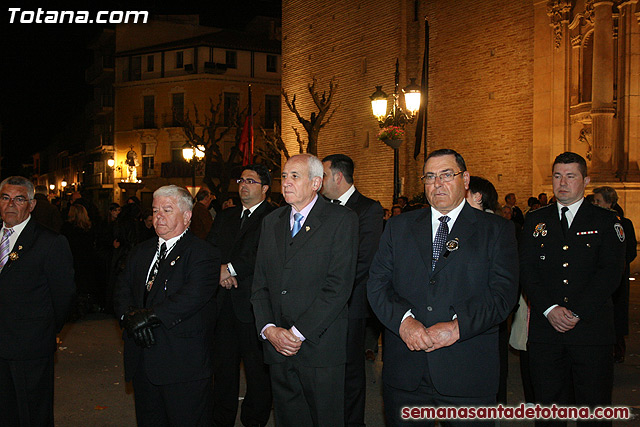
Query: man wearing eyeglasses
236, 231
441, 282
36, 291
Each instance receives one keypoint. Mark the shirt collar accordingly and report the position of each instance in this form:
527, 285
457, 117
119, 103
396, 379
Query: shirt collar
305, 211
251, 209
17, 229
345, 196
171, 242
453, 213
573, 208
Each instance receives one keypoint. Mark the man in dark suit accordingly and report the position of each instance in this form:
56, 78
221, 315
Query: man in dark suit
201, 219
516, 214
304, 274
165, 302
44, 212
441, 295
236, 231
571, 260
338, 186
607, 197
36, 291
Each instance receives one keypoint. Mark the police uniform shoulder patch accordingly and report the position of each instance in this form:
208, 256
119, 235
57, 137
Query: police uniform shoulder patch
619, 231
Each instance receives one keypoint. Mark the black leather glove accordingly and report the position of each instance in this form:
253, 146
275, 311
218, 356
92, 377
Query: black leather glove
139, 323
144, 337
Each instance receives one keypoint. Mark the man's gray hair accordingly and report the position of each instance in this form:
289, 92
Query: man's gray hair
20, 181
180, 194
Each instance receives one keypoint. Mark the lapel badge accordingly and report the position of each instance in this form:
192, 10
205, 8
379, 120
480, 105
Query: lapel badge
450, 246
19, 248
619, 231
174, 261
307, 228
13, 256
541, 228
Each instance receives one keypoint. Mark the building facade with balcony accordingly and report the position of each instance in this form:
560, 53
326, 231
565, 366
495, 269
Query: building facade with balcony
164, 72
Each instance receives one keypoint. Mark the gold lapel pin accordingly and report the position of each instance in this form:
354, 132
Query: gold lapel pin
307, 228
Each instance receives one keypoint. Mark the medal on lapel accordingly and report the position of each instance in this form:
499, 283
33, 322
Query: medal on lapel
541, 229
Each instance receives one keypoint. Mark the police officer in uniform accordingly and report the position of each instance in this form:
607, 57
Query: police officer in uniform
572, 256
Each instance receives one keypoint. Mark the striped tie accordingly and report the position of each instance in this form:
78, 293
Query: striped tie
4, 246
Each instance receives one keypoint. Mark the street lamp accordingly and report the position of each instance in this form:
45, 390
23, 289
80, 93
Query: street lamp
396, 116
193, 155
52, 187
111, 162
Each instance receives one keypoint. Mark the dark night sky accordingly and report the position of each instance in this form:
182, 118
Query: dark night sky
42, 86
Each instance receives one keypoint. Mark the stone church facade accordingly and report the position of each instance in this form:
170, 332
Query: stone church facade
512, 83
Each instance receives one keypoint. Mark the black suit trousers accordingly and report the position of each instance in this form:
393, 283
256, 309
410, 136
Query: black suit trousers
235, 341
355, 375
426, 396
580, 375
307, 396
184, 404
26, 392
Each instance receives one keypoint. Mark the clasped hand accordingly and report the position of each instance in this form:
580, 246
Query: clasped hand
417, 337
283, 340
562, 319
139, 324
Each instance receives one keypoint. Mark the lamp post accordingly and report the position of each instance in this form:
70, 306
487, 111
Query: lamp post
193, 155
396, 116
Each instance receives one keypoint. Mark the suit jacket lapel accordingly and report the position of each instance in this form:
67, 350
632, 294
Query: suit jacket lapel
309, 228
23, 244
281, 229
462, 231
166, 267
421, 231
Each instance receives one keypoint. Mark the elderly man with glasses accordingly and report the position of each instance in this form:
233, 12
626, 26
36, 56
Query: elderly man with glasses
441, 282
36, 292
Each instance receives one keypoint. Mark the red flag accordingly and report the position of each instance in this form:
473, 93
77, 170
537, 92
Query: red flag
246, 138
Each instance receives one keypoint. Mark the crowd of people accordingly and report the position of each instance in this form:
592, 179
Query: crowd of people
299, 294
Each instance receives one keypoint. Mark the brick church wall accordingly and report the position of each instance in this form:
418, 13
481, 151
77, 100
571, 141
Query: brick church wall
480, 77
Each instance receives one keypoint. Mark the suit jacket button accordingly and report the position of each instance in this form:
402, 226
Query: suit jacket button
566, 299
429, 308
566, 282
565, 265
284, 292
565, 248
432, 281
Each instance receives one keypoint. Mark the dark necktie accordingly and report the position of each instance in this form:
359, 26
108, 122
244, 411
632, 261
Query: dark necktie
156, 266
563, 221
336, 201
245, 215
439, 241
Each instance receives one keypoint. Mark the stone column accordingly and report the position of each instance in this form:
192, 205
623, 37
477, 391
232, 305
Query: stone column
602, 110
628, 106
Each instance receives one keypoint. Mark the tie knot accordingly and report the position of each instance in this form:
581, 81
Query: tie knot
163, 247
246, 213
297, 216
564, 209
444, 219
336, 201
7, 232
